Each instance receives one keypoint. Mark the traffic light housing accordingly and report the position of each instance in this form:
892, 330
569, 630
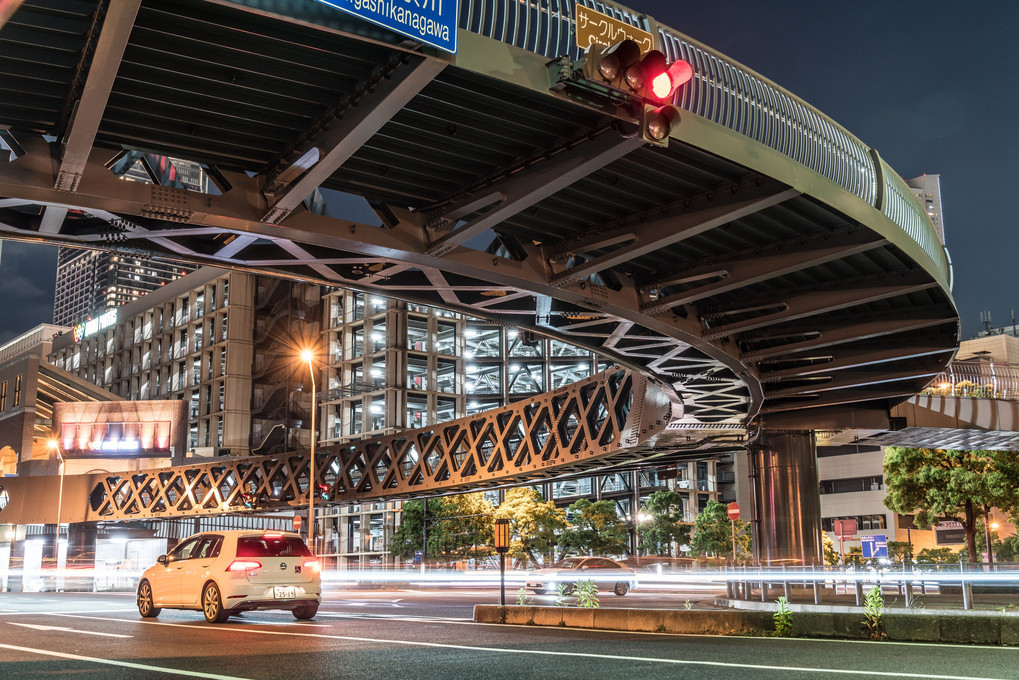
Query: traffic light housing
323, 491
249, 500
620, 76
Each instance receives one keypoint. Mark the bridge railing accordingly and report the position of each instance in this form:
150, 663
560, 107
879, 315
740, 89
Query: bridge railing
725, 92
977, 378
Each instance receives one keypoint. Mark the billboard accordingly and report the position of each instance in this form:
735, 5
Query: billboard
120, 429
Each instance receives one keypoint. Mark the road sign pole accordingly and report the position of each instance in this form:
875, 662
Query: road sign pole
733, 523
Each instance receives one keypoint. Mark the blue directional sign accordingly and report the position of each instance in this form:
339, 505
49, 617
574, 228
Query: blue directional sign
874, 546
433, 22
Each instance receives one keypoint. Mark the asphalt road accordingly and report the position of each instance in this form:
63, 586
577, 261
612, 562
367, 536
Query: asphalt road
423, 634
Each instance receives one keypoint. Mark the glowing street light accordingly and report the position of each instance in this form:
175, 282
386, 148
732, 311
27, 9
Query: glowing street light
307, 356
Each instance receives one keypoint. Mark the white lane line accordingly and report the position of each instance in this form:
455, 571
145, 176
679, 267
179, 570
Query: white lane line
575, 655
35, 626
122, 664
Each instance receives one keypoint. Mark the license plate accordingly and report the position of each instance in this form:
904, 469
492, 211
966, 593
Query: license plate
284, 592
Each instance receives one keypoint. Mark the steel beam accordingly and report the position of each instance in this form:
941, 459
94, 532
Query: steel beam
523, 189
88, 111
740, 273
650, 236
387, 95
813, 303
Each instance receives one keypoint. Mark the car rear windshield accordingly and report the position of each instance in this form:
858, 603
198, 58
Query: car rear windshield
271, 546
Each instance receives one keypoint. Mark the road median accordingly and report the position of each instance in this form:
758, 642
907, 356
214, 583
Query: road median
948, 627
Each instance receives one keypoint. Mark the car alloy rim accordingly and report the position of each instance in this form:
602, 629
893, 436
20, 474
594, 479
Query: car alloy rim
145, 598
211, 602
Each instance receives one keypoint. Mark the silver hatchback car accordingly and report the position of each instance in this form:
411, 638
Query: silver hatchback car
226, 572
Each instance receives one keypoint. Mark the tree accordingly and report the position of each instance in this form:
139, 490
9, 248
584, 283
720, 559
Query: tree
459, 527
900, 551
831, 555
712, 534
465, 530
595, 529
535, 524
943, 483
666, 526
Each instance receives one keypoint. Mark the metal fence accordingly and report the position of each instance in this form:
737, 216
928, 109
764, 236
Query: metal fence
977, 378
727, 93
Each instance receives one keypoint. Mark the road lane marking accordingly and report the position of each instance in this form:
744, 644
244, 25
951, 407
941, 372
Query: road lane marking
123, 664
36, 626
540, 652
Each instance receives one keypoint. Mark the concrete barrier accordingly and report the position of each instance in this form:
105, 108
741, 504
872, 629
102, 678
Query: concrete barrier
909, 627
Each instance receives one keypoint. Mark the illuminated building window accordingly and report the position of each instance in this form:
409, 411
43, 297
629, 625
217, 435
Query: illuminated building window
3, 396
17, 391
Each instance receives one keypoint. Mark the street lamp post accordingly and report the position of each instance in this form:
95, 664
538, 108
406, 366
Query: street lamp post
502, 543
307, 355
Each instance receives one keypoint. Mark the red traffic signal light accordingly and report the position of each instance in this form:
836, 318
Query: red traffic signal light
622, 67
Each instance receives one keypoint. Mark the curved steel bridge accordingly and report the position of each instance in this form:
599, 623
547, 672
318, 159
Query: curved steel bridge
764, 262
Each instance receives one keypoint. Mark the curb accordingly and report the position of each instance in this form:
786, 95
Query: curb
952, 628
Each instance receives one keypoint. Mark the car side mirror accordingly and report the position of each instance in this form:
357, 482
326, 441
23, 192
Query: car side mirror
162, 559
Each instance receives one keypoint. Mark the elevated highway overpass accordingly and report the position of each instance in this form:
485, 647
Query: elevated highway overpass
765, 269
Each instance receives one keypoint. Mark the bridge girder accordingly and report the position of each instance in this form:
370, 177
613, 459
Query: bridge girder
588, 235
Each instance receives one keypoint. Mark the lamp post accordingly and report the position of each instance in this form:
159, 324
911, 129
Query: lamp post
307, 355
55, 447
502, 543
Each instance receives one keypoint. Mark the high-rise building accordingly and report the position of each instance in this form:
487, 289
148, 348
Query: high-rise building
927, 189
92, 281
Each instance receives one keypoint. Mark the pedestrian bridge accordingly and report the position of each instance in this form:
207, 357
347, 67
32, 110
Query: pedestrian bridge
763, 263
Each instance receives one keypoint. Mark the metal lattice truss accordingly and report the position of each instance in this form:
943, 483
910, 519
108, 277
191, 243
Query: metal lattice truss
613, 418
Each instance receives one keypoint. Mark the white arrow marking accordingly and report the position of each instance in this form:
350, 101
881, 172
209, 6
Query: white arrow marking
35, 626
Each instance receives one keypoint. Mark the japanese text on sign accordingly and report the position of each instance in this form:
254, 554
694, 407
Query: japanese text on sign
595, 28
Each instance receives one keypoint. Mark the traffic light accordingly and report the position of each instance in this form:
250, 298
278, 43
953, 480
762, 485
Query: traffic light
249, 500
323, 491
623, 67
647, 80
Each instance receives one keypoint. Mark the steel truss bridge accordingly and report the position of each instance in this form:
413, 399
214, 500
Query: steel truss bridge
763, 263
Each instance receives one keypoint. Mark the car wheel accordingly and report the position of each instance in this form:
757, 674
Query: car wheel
306, 612
621, 589
146, 607
212, 605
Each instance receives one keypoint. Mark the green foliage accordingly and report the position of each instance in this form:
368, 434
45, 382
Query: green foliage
713, 533
783, 618
523, 598
831, 555
900, 551
666, 526
596, 529
535, 525
873, 611
587, 593
1008, 549
937, 556
942, 483
459, 527
855, 556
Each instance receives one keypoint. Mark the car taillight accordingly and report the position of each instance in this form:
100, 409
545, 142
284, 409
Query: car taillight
273, 534
244, 565
314, 565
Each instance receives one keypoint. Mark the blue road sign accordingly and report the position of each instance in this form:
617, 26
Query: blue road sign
433, 22
874, 546
417, 556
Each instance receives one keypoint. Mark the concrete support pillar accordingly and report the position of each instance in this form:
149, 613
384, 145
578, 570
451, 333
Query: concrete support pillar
783, 476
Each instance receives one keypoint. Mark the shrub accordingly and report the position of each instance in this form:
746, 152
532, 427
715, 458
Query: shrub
783, 618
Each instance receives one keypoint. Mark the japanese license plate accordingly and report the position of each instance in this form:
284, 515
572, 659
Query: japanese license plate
284, 592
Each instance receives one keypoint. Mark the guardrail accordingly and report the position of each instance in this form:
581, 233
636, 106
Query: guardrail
978, 379
726, 92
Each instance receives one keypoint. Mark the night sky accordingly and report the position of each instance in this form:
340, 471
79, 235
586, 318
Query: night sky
931, 85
